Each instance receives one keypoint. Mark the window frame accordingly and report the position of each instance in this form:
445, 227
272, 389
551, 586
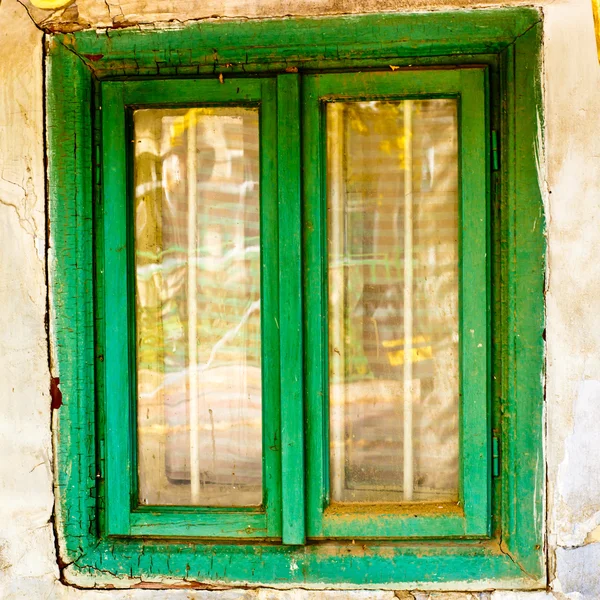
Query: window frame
507, 42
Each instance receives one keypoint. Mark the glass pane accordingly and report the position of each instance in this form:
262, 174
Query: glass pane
197, 276
392, 171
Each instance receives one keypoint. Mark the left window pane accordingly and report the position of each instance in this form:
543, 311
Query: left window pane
197, 306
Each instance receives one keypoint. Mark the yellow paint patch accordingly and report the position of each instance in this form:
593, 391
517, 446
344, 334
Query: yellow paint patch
596, 8
50, 4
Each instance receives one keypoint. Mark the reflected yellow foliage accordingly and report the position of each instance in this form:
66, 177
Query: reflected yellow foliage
180, 128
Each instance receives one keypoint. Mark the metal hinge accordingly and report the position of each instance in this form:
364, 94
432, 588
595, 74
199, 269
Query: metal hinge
495, 456
495, 153
101, 461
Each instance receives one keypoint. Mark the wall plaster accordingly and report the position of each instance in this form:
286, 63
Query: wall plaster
121, 13
570, 173
572, 104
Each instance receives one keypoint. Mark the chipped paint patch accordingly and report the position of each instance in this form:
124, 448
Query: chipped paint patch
577, 573
578, 481
50, 4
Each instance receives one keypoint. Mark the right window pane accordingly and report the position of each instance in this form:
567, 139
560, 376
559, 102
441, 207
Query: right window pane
393, 248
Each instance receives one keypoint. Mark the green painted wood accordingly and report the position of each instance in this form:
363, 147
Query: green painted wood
98, 312
119, 316
315, 308
389, 84
230, 524
508, 148
117, 300
70, 270
290, 308
265, 44
474, 303
192, 92
468, 85
522, 424
414, 522
513, 557
369, 566
269, 248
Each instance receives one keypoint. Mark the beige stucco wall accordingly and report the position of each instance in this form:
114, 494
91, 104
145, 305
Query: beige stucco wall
571, 174
94, 14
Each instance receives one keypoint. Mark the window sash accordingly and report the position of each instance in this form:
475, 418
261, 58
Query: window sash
472, 516
123, 514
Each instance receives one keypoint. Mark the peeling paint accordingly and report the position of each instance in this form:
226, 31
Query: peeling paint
55, 393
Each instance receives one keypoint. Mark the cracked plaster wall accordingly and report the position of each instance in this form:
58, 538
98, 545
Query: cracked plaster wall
572, 86
119, 13
572, 172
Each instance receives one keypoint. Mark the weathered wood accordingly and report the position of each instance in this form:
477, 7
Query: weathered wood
522, 419
368, 565
71, 277
119, 348
358, 42
199, 523
475, 330
117, 399
277, 43
269, 312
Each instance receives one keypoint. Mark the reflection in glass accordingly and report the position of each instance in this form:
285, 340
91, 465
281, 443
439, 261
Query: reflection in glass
392, 193
197, 276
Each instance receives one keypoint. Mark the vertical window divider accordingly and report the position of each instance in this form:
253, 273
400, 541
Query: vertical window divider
290, 308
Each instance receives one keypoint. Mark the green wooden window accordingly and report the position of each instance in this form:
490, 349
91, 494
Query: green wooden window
298, 301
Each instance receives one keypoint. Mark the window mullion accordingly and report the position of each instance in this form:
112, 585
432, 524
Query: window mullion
290, 308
